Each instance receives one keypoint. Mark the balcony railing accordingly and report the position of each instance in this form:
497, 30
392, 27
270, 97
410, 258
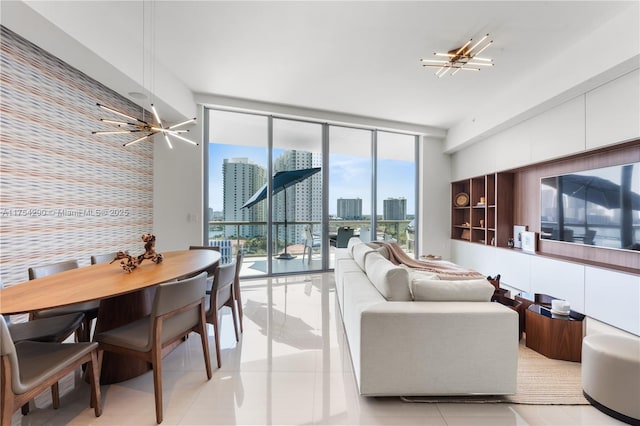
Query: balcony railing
254, 241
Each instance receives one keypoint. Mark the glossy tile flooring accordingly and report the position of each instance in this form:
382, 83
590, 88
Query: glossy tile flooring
291, 367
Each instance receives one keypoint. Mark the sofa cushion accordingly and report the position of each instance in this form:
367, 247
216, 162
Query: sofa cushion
419, 273
391, 281
353, 241
479, 290
360, 252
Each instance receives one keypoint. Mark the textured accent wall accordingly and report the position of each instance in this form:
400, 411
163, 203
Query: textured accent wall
64, 193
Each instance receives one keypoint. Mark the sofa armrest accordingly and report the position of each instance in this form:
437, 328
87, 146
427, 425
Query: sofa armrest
438, 348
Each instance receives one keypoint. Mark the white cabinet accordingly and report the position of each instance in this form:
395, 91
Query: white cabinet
613, 298
563, 280
613, 111
514, 268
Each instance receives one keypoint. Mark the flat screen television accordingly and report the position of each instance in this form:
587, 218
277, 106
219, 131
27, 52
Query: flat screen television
599, 207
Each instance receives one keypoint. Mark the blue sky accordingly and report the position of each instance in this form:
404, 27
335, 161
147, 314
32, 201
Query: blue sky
350, 177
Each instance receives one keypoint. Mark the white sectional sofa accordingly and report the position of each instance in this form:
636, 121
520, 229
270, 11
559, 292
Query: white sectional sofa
442, 343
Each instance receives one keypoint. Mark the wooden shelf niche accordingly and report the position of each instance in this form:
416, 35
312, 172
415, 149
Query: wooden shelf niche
487, 218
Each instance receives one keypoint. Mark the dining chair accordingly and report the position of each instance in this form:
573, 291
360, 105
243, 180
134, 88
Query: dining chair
55, 329
178, 309
103, 258
221, 294
344, 234
89, 309
28, 368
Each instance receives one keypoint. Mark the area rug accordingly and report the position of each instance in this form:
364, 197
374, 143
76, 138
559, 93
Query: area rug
541, 381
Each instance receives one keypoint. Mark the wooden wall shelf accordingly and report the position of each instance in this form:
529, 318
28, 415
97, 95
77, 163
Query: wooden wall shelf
488, 217
514, 197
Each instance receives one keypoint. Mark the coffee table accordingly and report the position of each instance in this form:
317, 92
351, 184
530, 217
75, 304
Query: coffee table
555, 336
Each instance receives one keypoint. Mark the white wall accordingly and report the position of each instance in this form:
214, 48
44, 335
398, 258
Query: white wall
177, 192
603, 116
608, 52
435, 169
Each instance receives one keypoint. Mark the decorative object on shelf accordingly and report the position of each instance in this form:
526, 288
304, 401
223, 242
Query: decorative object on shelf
461, 200
481, 223
517, 235
466, 234
129, 263
528, 241
510, 243
461, 58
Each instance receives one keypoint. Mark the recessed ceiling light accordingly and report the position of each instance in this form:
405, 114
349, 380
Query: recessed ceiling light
137, 95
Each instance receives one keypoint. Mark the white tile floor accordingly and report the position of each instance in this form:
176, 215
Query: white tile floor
291, 366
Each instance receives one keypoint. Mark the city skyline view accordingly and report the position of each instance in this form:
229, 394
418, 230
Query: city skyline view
345, 171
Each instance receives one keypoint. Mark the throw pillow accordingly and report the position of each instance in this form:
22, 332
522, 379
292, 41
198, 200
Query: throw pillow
479, 290
391, 281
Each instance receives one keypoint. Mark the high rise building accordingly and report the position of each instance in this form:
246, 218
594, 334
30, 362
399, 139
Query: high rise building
304, 199
395, 208
350, 208
241, 178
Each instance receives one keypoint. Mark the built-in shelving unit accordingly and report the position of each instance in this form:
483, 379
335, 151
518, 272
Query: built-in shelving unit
487, 216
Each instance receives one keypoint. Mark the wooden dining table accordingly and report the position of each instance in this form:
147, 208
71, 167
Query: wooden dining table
124, 297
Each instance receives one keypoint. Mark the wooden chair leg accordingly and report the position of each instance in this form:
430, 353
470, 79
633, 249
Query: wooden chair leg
202, 330
232, 304
94, 376
7, 408
55, 396
216, 335
157, 382
236, 291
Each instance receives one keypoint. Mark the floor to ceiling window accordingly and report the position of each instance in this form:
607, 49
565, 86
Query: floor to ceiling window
350, 177
297, 201
237, 165
396, 188
267, 190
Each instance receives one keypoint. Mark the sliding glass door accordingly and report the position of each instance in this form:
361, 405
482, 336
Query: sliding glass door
350, 179
237, 169
289, 192
296, 212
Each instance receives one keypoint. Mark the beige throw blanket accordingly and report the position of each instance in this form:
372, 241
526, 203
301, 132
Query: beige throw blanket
444, 270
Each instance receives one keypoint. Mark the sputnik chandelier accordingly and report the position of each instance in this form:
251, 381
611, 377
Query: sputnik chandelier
136, 125
141, 128
463, 58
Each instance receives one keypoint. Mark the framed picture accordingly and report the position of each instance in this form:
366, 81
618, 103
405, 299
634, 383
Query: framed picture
528, 241
517, 235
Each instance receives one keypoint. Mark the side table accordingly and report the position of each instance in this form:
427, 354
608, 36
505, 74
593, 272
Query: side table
555, 336
529, 299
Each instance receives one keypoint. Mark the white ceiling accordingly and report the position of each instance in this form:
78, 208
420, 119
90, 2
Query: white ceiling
354, 57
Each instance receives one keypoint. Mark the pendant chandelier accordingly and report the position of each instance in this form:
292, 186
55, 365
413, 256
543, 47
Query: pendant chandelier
136, 125
462, 58
139, 127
